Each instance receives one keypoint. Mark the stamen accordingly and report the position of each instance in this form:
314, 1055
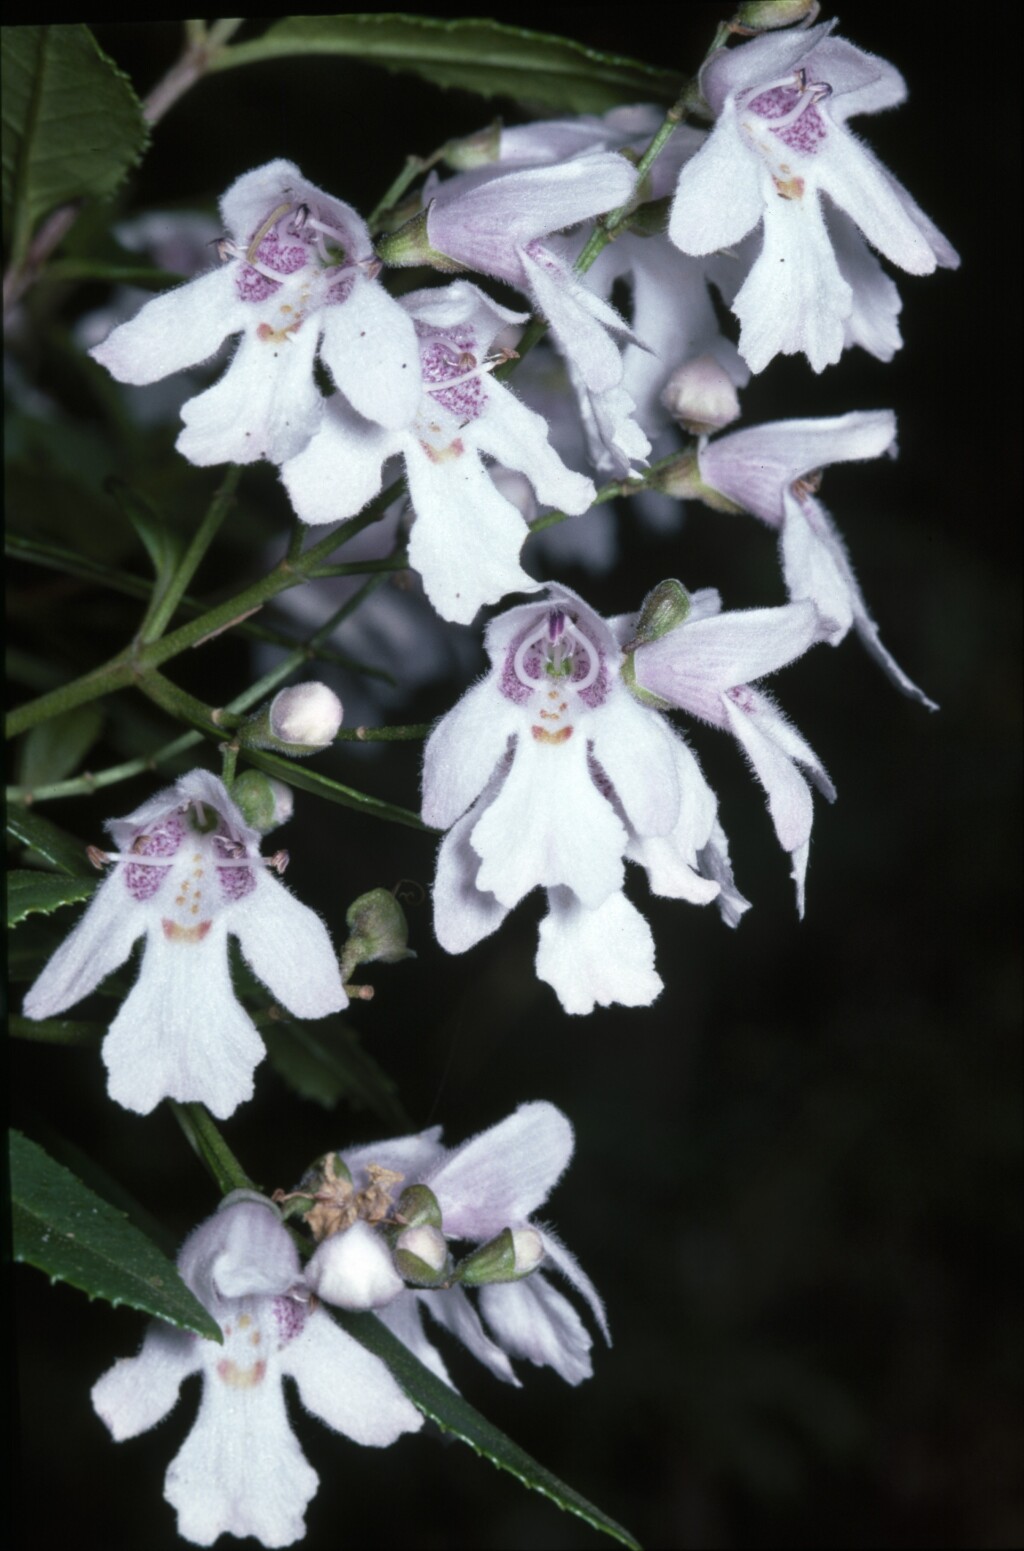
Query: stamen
557, 632
488, 364
272, 220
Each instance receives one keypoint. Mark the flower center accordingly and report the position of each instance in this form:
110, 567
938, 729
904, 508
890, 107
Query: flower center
559, 660
791, 108
294, 240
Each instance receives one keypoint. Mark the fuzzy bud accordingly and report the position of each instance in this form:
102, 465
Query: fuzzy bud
417, 1207
767, 15
378, 932
476, 150
354, 1270
264, 802
421, 1256
507, 1258
306, 714
701, 396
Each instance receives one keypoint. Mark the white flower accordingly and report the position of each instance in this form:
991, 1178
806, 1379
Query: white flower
493, 1183
299, 275
188, 871
772, 471
780, 142
240, 1471
703, 665
548, 773
466, 538
505, 221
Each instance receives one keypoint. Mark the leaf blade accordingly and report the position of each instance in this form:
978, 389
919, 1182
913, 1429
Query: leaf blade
72, 125
31, 893
487, 57
72, 1235
455, 1415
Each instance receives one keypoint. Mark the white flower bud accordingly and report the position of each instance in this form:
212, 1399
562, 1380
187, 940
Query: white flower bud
427, 1244
307, 714
529, 1250
353, 1270
701, 396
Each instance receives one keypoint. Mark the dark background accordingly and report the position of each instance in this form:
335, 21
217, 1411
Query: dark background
796, 1177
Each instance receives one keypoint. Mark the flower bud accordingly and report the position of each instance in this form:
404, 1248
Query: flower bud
767, 15
354, 1270
701, 396
264, 802
421, 1256
410, 245
378, 932
306, 714
665, 608
505, 1259
417, 1206
476, 150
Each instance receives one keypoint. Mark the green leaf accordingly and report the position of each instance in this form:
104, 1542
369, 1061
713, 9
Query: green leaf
64, 1229
487, 57
29, 892
163, 545
294, 774
48, 841
56, 748
329, 1063
72, 125
57, 1031
456, 1416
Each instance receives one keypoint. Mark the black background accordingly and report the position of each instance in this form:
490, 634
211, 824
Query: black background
796, 1174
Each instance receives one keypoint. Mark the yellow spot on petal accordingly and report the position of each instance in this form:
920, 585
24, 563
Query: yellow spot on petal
186, 934
789, 188
542, 735
244, 1321
236, 1377
552, 694
454, 450
255, 1338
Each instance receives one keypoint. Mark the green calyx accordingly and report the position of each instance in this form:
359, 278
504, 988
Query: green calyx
410, 245
417, 1207
627, 674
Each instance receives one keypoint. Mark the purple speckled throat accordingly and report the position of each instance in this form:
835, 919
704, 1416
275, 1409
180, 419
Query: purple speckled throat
448, 354
795, 103
554, 653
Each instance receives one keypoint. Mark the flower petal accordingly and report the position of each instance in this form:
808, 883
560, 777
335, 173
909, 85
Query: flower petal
596, 957
453, 1310
288, 947
137, 1392
499, 1178
518, 439
634, 747
794, 299
175, 330
100, 942
340, 469
266, 405
463, 913
346, 1386
403, 1319
369, 347
719, 197
549, 825
181, 1034
531, 1319
463, 752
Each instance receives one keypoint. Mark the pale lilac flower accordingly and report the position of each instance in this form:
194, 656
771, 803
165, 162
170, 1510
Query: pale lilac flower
299, 275
780, 143
548, 773
772, 472
187, 872
466, 538
704, 665
495, 1182
505, 221
241, 1471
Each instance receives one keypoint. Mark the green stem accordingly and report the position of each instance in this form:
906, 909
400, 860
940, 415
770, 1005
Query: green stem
211, 1148
193, 556
384, 734
414, 166
135, 662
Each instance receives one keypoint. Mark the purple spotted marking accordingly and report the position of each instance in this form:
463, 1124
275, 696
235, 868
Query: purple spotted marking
286, 258
808, 129
443, 354
741, 696
235, 882
535, 659
163, 839
290, 1317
